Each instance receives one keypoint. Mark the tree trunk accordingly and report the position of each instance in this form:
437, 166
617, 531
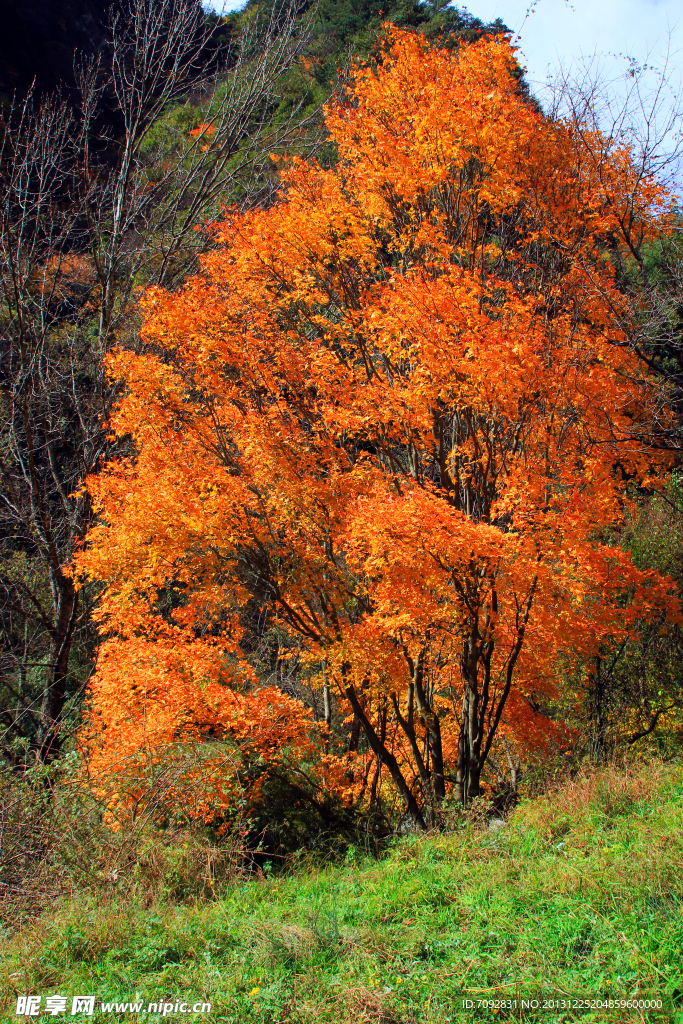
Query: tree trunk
599, 713
376, 745
54, 696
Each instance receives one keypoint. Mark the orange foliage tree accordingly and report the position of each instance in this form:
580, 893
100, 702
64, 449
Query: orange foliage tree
397, 411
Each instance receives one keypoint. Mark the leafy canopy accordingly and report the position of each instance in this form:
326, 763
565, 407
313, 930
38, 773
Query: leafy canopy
395, 412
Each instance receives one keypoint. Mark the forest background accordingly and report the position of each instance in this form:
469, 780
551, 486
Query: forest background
332, 687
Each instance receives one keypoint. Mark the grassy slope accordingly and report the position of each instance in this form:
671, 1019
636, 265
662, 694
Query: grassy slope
579, 893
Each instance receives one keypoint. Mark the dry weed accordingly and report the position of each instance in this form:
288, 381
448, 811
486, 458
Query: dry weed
366, 1006
607, 790
53, 843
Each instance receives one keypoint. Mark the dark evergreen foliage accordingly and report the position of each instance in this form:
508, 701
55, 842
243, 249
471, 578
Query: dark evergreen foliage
343, 28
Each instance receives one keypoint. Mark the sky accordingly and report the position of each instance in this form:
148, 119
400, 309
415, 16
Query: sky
560, 31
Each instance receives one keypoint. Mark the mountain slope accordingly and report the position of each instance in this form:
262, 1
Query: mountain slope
577, 897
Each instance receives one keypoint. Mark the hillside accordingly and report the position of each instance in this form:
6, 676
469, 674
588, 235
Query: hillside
578, 894
40, 37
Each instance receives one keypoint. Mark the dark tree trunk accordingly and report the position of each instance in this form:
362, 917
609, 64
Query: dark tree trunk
482, 703
54, 696
599, 745
379, 748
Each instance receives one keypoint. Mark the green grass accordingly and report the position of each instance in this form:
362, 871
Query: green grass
581, 893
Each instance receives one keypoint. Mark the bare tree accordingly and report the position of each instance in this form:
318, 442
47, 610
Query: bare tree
88, 217
634, 685
640, 109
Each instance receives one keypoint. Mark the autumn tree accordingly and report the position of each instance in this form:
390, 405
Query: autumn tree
394, 413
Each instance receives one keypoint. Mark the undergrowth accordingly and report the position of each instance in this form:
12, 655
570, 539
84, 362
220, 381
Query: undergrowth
578, 894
